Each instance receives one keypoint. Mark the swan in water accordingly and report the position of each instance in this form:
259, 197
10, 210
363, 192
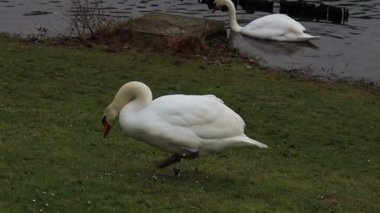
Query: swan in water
278, 27
188, 126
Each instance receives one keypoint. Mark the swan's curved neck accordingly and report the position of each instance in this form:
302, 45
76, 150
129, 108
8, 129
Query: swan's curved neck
232, 13
135, 94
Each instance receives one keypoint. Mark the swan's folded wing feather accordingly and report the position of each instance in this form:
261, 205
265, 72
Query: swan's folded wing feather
206, 115
277, 23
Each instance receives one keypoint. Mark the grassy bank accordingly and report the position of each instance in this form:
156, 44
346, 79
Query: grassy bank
324, 139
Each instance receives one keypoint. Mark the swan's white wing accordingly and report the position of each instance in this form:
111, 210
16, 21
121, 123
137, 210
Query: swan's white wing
278, 27
205, 115
193, 122
276, 22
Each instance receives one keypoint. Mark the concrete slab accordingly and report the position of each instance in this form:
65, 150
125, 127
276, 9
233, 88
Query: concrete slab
169, 25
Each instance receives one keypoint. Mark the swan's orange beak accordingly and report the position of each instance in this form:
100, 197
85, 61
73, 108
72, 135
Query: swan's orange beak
106, 127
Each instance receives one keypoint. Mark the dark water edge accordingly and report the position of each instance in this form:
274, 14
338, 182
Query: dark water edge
348, 51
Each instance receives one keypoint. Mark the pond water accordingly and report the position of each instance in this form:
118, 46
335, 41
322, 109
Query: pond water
350, 50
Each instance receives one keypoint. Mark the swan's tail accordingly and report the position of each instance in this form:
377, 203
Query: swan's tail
307, 37
254, 143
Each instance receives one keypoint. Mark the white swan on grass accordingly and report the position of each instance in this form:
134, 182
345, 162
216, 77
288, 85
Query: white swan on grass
187, 126
278, 27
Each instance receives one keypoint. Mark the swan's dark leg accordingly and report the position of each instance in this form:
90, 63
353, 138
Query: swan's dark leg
189, 155
176, 159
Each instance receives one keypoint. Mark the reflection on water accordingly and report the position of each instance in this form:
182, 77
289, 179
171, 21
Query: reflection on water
348, 50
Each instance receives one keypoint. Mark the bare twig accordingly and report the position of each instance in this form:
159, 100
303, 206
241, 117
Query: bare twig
87, 18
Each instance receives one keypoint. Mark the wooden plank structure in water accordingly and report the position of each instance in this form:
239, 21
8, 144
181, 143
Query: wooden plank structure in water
174, 32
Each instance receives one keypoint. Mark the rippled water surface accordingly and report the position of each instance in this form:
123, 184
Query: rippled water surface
350, 50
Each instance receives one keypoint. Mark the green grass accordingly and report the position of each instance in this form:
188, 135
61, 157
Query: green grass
323, 138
